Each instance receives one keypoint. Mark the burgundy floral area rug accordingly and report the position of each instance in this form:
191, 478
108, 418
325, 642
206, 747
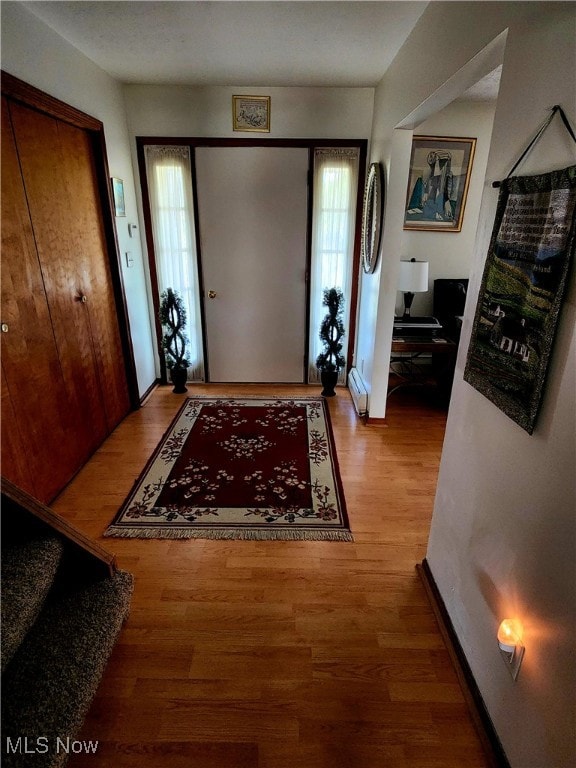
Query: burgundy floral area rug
241, 468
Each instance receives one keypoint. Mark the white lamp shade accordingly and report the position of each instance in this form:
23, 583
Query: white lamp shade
413, 276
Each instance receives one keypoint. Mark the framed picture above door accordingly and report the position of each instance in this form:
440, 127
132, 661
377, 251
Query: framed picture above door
251, 113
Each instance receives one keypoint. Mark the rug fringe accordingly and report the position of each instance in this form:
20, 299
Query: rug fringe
228, 534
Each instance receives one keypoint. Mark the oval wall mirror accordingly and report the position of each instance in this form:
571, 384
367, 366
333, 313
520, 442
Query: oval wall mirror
372, 216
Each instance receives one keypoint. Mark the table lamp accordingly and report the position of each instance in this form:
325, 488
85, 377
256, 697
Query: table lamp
413, 279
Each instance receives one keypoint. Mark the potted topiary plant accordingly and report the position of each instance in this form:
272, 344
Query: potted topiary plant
172, 315
331, 359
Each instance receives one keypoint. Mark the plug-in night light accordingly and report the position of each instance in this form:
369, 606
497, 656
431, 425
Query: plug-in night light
507, 636
510, 644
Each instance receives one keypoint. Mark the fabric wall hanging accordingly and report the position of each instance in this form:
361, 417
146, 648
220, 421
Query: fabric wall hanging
524, 281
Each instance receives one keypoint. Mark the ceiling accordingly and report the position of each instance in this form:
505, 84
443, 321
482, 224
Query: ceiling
279, 43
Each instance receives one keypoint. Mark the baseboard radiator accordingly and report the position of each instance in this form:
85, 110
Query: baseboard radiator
358, 392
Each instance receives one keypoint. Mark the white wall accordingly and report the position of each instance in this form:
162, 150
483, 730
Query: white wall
449, 254
502, 540
428, 73
503, 535
155, 110
188, 111
34, 53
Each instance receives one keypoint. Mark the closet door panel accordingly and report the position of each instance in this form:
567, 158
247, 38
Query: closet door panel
52, 210
34, 402
93, 265
15, 466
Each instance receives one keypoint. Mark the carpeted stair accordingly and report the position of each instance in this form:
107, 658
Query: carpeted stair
59, 626
28, 570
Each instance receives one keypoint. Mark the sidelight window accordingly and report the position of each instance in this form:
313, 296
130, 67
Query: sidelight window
169, 176
333, 226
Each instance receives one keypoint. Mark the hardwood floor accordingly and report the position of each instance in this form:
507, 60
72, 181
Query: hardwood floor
243, 654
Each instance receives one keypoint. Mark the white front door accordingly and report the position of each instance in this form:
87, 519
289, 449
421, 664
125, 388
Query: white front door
252, 205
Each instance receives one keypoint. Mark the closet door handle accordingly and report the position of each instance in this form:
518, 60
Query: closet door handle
83, 298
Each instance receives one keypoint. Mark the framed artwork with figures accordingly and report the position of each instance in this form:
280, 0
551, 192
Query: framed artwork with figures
438, 183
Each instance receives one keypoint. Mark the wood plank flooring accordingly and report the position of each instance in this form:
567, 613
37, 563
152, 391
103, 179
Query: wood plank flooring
244, 654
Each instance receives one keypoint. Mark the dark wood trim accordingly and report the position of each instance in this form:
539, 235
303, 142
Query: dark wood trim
34, 98
149, 391
206, 141
356, 257
27, 94
309, 218
201, 289
491, 744
374, 422
151, 256
102, 560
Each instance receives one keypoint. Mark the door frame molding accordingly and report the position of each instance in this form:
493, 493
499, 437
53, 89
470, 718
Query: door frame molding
24, 93
205, 141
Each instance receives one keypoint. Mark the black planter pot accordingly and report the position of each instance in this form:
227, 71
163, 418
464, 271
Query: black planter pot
329, 380
178, 378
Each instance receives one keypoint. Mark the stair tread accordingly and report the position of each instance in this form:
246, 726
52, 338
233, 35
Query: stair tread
28, 571
52, 678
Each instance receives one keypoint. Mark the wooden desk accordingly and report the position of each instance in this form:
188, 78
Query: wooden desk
405, 365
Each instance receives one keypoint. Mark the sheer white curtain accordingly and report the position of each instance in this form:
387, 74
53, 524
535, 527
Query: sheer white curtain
333, 224
169, 175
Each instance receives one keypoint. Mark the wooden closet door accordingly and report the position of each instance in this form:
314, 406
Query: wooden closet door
59, 177
15, 466
38, 450
78, 168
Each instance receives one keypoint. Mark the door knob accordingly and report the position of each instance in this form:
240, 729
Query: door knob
4, 327
82, 297
211, 294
